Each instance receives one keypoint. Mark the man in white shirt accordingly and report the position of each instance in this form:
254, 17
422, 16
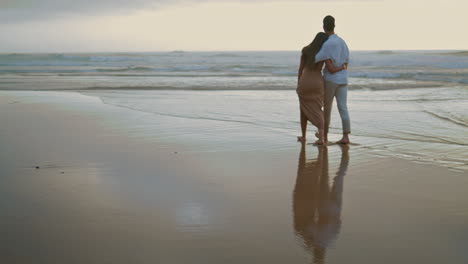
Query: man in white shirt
336, 84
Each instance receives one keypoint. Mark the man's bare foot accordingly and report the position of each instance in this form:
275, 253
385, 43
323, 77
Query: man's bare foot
301, 139
343, 141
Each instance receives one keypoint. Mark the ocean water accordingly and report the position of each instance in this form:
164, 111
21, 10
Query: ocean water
411, 104
223, 70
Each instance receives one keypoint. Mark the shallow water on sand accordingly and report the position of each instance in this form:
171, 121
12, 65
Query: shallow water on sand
423, 124
144, 187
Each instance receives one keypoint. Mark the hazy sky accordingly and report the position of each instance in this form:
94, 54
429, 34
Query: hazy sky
152, 25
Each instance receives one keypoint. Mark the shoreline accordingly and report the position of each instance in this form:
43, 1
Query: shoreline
242, 134
357, 83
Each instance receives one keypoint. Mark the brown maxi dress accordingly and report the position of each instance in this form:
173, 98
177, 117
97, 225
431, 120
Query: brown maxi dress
310, 89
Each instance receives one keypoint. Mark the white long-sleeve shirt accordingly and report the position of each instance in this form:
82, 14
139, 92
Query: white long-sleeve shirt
334, 48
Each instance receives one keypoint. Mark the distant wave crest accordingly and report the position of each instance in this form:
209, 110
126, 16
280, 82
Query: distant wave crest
463, 53
130, 68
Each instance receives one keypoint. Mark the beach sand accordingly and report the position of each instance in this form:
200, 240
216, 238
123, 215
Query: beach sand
108, 189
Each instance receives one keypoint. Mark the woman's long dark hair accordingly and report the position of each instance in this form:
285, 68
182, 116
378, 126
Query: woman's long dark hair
313, 48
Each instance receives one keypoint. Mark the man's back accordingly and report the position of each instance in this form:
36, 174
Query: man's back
335, 49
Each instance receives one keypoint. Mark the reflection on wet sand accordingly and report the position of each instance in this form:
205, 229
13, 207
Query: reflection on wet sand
316, 206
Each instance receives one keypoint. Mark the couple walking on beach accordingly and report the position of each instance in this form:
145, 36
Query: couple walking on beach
316, 91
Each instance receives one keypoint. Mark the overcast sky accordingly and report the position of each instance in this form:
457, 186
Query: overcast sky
161, 25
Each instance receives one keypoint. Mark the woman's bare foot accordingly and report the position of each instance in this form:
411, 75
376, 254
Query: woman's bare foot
301, 139
319, 142
319, 134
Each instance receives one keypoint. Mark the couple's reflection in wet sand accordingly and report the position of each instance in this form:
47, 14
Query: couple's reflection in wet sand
316, 204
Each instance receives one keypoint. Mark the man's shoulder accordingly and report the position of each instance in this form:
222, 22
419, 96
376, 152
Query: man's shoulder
338, 39
331, 42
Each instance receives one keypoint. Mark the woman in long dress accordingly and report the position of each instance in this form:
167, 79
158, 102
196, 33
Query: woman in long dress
310, 88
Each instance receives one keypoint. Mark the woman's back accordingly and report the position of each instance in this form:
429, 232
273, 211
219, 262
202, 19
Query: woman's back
310, 87
311, 81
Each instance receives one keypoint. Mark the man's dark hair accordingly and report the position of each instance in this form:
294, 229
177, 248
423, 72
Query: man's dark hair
329, 23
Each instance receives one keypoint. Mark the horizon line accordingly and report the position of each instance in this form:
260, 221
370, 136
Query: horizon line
182, 50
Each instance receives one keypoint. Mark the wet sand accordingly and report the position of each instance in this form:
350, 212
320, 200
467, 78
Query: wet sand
106, 192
